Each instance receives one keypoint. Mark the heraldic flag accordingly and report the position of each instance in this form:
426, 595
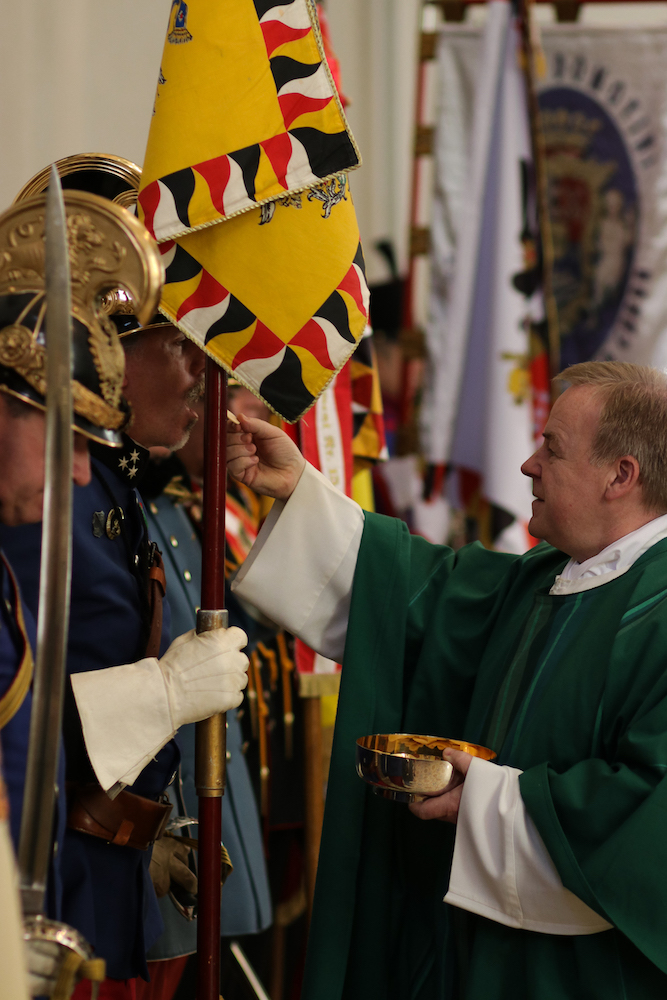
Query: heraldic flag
245, 188
489, 397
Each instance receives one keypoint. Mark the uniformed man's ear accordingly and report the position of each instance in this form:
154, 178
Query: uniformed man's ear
625, 477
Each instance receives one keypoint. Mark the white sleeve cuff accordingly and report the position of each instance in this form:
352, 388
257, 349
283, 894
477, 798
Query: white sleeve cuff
501, 868
125, 718
300, 570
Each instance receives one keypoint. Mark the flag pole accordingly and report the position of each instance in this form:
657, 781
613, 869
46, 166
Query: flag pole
541, 186
210, 738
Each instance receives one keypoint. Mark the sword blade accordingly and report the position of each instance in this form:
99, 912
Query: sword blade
35, 845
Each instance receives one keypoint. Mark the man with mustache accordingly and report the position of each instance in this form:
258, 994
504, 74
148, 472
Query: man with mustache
130, 688
108, 893
551, 860
164, 377
116, 605
22, 463
168, 692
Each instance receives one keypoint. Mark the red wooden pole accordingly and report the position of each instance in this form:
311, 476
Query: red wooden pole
210, 750
215, 482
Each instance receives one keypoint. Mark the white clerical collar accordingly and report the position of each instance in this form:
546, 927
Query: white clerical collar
612, 561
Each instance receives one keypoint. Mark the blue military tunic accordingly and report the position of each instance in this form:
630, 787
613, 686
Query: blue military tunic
108, 894
18, 639
246, 902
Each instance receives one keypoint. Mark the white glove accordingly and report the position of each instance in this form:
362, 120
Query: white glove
204, 674
129, 712
44, 958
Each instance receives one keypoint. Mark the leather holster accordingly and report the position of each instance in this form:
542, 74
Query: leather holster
127, 820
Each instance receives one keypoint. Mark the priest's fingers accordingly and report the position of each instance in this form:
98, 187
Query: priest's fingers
444, 807
240, 467
260, 429
240, 450
241, 455
263, 457
459, 760
274, 446
239, 442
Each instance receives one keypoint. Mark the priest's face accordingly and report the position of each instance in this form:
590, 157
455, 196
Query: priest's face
568, 510
164, 377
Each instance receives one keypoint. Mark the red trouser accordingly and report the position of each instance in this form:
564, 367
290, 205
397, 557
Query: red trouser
165, 977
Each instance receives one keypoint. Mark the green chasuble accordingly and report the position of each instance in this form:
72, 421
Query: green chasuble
570, 689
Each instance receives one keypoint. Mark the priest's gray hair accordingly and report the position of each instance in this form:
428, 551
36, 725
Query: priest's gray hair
633, 420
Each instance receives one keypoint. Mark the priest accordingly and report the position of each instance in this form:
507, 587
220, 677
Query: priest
548, 877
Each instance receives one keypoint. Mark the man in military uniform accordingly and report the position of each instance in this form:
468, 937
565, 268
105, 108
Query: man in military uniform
96, 390
22, 439
130, 713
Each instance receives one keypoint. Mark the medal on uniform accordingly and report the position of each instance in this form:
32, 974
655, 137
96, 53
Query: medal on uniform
114, 517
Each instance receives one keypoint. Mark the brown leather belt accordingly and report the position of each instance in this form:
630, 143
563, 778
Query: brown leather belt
128, 820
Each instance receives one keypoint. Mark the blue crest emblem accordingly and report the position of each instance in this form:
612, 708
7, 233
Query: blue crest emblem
594, 216
178, 31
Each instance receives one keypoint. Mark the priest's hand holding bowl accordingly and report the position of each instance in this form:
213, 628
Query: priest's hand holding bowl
445, 807
263, 457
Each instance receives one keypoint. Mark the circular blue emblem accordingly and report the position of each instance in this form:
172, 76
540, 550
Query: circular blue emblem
594, 215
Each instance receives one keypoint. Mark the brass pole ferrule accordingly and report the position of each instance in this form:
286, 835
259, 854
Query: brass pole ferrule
211, 734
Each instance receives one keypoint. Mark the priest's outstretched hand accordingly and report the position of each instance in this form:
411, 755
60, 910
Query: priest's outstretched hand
263, 457
445, 807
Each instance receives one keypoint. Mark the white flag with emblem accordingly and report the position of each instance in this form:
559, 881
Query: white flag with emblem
479, 411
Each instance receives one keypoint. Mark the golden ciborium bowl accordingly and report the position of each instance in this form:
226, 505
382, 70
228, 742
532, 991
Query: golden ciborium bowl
406, 767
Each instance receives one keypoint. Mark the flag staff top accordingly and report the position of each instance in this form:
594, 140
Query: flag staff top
541, 186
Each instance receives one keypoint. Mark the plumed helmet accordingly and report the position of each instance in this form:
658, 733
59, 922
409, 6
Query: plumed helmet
108, 249
111, 177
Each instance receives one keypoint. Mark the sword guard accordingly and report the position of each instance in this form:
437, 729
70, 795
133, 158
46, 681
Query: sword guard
76, 955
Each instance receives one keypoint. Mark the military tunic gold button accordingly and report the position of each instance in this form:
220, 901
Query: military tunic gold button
187, 574
114, 518
173, 541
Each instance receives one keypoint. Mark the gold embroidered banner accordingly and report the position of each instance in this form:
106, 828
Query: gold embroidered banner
252, 136
246, 111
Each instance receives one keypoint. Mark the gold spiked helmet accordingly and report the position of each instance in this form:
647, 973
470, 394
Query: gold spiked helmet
111, 177
103, 174
109, 249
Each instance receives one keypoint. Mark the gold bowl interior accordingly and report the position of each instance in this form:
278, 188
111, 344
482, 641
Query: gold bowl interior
411, 745
408, 767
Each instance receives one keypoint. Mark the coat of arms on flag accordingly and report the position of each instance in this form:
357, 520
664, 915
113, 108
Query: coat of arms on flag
249, 133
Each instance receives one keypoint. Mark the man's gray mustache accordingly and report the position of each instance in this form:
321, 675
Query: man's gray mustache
196, 393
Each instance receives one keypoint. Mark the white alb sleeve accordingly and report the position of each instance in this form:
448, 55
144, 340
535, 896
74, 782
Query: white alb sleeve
125, 718
300, 570
501, 868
